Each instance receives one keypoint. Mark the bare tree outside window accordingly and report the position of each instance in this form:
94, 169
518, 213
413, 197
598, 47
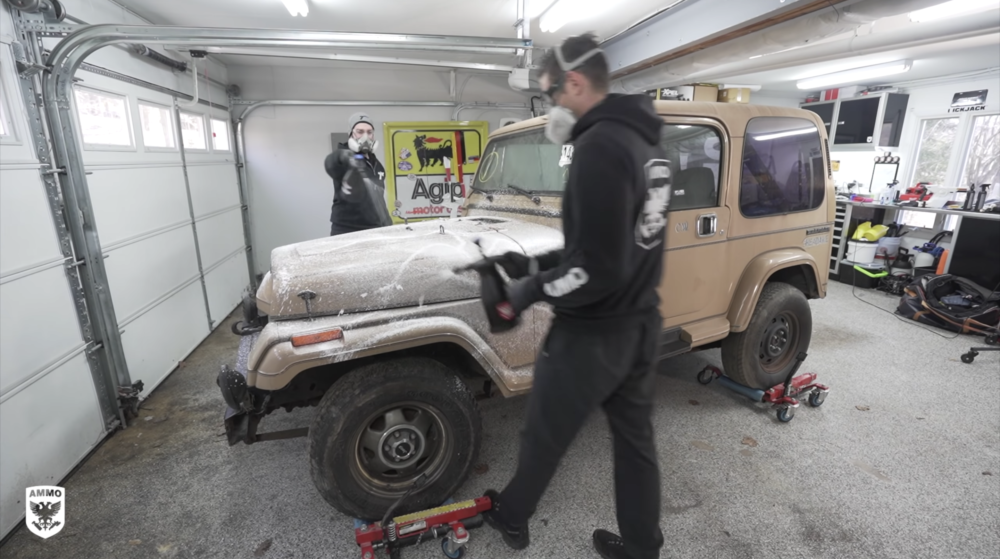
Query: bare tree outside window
103, 118
983, 163
936, 139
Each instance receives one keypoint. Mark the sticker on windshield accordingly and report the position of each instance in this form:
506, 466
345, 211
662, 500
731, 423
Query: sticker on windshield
567, 155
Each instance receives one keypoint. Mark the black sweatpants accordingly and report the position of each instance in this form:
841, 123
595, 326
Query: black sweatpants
577, 371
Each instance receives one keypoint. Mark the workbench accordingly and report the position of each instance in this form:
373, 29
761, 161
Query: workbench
975, 240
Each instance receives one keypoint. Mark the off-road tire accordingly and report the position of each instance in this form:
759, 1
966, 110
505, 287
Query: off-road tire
742, 351
350, 403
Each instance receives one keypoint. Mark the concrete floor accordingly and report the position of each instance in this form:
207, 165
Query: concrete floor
903, 460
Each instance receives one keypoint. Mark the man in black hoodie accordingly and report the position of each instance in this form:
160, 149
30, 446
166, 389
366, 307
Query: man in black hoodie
358, 181
601, 349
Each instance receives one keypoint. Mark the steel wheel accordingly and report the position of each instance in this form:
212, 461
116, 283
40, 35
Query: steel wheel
397, 444
776, 343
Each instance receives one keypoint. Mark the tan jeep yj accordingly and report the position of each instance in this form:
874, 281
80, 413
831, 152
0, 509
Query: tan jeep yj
378, 330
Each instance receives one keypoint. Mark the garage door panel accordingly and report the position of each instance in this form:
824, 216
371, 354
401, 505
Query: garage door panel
156, 341
27, 235
45, 430
132, 202
213, 188
225, 286
219, 236
142, 272
38, 325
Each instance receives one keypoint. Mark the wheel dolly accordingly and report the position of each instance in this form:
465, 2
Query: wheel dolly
782, 396
451, 522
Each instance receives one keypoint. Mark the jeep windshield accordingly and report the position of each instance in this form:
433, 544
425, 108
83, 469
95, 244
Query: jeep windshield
527, 160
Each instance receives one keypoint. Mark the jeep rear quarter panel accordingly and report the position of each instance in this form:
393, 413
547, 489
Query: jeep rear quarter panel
721, 280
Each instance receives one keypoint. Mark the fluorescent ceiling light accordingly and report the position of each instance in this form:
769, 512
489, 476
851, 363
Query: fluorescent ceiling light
564, 11
955, 8
297, 7
855, 75
776, 135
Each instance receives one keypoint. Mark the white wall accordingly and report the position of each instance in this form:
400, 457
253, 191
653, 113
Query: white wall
289, 190
147, 236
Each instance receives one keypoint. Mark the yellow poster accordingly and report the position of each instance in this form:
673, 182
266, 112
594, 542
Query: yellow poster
430, 165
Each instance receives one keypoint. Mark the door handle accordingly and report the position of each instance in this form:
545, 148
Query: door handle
707, 224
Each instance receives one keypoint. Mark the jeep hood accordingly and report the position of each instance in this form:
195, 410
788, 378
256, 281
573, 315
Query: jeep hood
391, 267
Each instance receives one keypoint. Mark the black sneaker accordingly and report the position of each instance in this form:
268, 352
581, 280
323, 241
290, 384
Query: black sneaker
608, 545
516, 537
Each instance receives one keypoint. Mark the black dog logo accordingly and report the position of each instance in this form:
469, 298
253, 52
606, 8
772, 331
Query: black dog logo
430, 157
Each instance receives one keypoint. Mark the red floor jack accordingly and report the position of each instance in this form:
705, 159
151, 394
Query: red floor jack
451, 522
782, 396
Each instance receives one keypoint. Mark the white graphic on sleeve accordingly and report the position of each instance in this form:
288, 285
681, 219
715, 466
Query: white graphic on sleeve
653, 218
567, 155
573, 280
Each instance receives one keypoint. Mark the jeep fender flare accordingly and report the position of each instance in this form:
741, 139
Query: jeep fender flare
759, 271
275, 365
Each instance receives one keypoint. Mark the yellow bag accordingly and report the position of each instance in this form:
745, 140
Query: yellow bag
867, 232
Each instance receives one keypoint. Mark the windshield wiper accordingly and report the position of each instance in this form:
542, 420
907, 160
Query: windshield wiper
488, 193
520, 190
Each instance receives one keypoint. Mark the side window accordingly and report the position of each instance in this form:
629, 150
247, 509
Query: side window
783, 168
157, 125
694, 153
104, 119
220, 135
6, 127
193, 131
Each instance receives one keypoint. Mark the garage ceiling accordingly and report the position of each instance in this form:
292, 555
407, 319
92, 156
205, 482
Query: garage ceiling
929, 61
492, 18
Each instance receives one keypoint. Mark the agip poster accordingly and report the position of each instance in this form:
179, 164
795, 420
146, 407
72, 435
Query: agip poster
430, 165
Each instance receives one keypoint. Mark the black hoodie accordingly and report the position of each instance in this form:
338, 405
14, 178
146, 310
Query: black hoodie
356, 208
614, 220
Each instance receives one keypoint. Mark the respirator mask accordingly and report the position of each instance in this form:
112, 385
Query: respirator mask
559, 128
365, 144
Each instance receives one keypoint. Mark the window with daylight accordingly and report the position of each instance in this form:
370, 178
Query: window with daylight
193, 131
104, 118
937, 136
982, 166
783, 167
157, 126
5, 126
220, 135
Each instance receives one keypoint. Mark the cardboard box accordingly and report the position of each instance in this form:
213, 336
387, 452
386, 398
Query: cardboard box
734, 95
698, 93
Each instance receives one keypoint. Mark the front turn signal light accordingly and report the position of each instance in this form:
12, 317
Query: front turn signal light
317, 338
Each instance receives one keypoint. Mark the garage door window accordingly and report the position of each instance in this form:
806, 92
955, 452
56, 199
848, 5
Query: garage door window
104, 119
193, 131
220, 135
783, 167
694, 153
5, 125
157, 126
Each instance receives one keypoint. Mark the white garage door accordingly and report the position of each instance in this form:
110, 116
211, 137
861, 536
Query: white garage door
171, 233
